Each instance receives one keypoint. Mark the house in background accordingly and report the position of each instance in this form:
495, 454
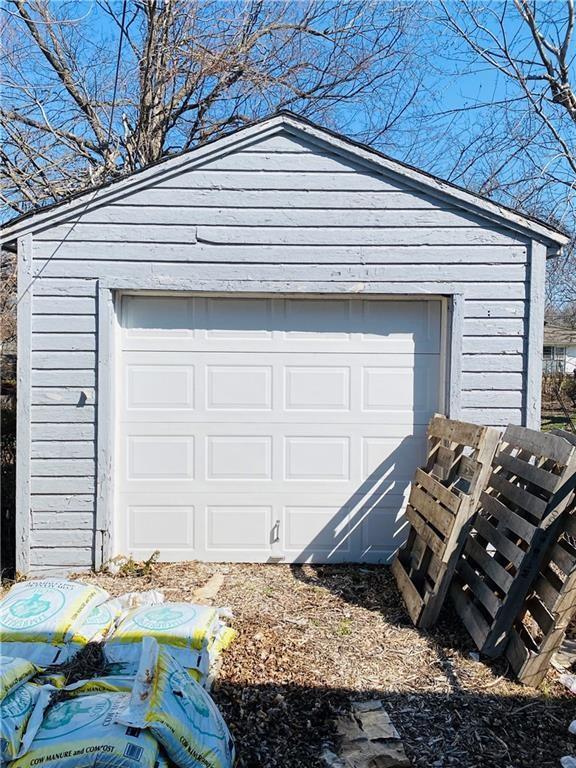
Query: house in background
233, 355
559, 349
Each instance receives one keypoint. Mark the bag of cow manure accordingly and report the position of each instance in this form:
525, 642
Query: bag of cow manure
178, 711
83, 731
188, 630
38, 618
13, 672
21, 713
100, 622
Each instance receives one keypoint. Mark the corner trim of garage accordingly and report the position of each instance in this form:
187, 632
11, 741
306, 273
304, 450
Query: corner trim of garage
453, 337
25, 282
105, 421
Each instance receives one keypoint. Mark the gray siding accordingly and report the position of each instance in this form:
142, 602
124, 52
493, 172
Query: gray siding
280, 212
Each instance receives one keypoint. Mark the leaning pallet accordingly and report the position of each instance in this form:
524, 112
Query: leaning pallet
518, 519
442, 499
538, 631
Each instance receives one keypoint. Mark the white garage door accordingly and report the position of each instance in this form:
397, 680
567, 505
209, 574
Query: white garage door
253, 429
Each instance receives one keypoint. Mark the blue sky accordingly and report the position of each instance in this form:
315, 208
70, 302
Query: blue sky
454, 129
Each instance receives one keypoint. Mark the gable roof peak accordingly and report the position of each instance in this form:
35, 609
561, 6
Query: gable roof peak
372, 159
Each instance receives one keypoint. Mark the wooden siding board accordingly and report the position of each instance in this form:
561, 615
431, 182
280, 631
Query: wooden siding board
63, 286
56, 361
68, 305
493, 417
63, 431
63, 395
64, 537
307, 273
61, 521
498, 363
79, 377
278, 253
134, 225
59, 467
277, 231
62, 414
212, 197
61, 557
57, 449
63, 323
492, 381
57, 504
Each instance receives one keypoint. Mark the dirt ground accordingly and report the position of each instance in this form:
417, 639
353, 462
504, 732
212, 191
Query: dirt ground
313, 638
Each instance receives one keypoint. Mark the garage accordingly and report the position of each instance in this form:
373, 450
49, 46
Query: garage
233, 354
258, 429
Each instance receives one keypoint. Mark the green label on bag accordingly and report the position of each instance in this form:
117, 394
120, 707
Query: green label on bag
72, 715
17, 703
163, 618
26, 612
98, 616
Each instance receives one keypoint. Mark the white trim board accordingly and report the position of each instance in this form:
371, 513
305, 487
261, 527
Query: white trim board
535, 336
23, 400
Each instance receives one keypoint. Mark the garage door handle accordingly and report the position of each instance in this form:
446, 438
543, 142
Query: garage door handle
276, 532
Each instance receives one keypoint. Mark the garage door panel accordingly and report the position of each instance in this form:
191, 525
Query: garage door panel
314, 458
312, 320
314, 387
160, 458
239, 457
238, 527
383, 531
158, 315
234, 319
317, 528
391, 457
159, 386
411, 388
238, 386
415, 323
270, 428
165, 523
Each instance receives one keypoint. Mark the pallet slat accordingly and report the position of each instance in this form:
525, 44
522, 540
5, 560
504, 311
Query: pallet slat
442, 500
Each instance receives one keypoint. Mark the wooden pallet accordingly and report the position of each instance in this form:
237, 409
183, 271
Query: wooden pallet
517, 521
538, 631
442, 499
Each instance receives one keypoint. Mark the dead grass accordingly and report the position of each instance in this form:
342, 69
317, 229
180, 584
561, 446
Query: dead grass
311, 639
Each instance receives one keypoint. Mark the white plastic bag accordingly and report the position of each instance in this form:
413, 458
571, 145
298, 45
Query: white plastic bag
39, 617
178, 711
82, 732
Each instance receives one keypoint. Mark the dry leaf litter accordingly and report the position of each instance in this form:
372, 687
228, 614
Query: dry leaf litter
314, 639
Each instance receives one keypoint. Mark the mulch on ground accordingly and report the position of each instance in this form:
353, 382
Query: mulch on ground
313, 638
